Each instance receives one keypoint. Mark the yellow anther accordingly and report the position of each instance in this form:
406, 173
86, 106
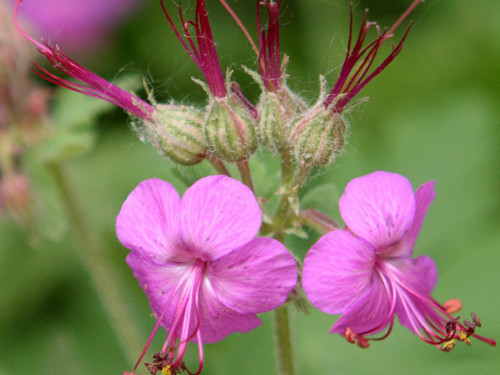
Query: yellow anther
464, 337
448, 346
166, 370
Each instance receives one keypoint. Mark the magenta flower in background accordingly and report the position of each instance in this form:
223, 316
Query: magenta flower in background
367, 274
76, 25
199, 263
90, 84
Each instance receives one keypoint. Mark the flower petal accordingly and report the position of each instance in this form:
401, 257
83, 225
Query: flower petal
218, 321
370, 314
423, 199
338, 271
148, 222
379, 207
254, 278
418, 276
158, 283
218, 215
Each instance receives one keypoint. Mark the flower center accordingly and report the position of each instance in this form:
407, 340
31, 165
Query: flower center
419, 312
182, 312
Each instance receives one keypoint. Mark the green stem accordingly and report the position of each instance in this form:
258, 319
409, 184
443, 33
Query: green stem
245, 174
318, 220
282, 334
102, 272
283, 342
290, 186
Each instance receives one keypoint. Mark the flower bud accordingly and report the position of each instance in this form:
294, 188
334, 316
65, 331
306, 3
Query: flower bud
318, 135
277, 109
230, 126
176, 132
272, 127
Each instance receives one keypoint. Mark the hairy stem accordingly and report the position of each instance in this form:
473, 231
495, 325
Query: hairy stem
218, 165
283, 342
102, 272
245, 174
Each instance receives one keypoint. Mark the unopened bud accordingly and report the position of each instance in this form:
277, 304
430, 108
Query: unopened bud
230, 128
177, 133
276, 109
318, 135
273, 129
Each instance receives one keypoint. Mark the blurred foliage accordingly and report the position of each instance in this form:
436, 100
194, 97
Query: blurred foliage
433, 115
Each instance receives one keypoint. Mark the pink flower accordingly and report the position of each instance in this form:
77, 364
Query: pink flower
355, 73
75, 24
90, 84
199, 263
367, 274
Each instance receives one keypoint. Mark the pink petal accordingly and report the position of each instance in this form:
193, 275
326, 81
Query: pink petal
370, 314
158, 282
420, 276
148, 222
423, 199
256, 277
378, 207
218, 215
218, 321
338, 271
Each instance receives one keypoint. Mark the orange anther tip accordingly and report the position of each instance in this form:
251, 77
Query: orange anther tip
452, 306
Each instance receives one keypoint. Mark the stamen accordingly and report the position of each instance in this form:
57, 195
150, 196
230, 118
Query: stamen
363, 342
452, 306
476, 319
350, 336
448, 346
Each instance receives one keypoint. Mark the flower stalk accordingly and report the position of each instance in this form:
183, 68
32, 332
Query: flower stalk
106, 281
283, 341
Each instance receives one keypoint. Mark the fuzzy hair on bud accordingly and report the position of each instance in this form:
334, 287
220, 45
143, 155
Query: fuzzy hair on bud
176, 132
318, 135
230, 124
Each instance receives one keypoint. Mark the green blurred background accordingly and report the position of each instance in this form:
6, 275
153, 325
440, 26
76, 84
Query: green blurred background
432, 115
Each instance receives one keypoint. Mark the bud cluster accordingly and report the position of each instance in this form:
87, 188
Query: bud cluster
23, 120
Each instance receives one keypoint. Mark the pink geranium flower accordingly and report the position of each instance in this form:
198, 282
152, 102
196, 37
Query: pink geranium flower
367, 274
199, 263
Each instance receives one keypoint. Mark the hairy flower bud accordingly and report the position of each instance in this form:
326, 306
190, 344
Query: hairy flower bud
230, 125
318, 135
272, 128
276, 109
176, 132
